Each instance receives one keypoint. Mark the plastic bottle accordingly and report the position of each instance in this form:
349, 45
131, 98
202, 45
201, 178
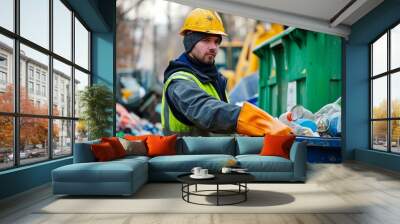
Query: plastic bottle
335, 128
322, 124
298, 111
329, 109
286, 118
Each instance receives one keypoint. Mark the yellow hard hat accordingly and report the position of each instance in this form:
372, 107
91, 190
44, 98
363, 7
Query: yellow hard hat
202, 20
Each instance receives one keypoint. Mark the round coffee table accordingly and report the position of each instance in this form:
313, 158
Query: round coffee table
238, 179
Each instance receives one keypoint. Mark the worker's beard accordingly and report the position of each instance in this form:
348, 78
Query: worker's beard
208, 58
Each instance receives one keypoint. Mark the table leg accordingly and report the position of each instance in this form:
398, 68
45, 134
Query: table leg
217, 194
182, 188
245, 193
188, 189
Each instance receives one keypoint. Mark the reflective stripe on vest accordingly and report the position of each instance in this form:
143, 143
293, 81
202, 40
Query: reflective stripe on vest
170, 124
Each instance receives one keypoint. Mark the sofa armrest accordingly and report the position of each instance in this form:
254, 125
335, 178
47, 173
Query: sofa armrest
298, 155
83, 152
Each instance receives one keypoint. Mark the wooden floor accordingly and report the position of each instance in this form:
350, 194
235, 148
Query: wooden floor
377, 188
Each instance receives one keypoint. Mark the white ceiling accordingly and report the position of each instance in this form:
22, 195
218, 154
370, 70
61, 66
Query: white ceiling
328, 16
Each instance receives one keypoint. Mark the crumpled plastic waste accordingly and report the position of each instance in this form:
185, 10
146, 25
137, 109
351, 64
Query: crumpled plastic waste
308, 123
132, 124
335, 127
326, 122
329, 109
298, 112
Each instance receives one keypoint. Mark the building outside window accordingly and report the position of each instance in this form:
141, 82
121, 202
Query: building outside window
43, 78
385, 94
3, 78
30, 72
38, 89
3, 61
30, 87
37, 75
3, 72
58, 126
43, 90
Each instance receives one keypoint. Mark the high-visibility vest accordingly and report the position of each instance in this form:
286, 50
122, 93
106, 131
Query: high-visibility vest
170, 124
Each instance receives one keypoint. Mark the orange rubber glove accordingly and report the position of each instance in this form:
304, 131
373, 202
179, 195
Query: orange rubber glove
253, 121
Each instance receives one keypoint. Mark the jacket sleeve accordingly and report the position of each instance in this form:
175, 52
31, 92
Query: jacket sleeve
203, 110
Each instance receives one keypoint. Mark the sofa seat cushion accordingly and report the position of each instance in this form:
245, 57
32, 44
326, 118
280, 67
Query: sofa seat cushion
249, 145
112, 171
190, 145
133, 158
185, 163
257, 163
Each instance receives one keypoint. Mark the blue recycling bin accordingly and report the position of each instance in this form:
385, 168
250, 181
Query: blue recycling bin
322, 150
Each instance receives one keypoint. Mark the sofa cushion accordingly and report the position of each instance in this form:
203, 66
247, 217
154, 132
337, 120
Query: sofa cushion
132, 158
161, 145
207, 145
112, 171
136, 137
116, 145
83, 152
185, 163
277, 145
136, 147
257, 163
103, 151
249, 145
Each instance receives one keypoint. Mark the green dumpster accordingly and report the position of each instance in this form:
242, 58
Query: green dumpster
299, 67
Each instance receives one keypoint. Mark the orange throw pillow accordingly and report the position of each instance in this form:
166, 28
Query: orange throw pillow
275, 145
161, 145
136, 137
103, 151
116, 145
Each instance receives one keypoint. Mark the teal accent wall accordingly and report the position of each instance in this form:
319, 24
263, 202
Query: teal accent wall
356, 99
103, 70
24, 178
99, 16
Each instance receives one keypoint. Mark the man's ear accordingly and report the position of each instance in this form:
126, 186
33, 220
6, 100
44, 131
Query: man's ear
220, 39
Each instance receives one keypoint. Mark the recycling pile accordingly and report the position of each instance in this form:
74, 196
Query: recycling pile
130, 123
324, 123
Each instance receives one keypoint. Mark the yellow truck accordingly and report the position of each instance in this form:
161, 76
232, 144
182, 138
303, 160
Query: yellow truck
236, 59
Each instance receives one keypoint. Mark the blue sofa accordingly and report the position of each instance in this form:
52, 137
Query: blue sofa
125, 176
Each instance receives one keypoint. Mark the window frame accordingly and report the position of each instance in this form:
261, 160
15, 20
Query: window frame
16, 114
388, 74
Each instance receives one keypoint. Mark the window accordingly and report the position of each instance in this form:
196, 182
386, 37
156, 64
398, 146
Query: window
62, 75
30, 87
37, 74
43, 77
44, 91
3, 61
3, 72
38, 89
3, 78
81, 81
7, 14
81, 45
62, 29
30, 72
7, 73
62, 130
33, 149
34, 21
385, 97
7, 142
54, 125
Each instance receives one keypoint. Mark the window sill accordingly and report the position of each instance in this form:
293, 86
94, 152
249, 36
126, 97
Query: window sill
26, 167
